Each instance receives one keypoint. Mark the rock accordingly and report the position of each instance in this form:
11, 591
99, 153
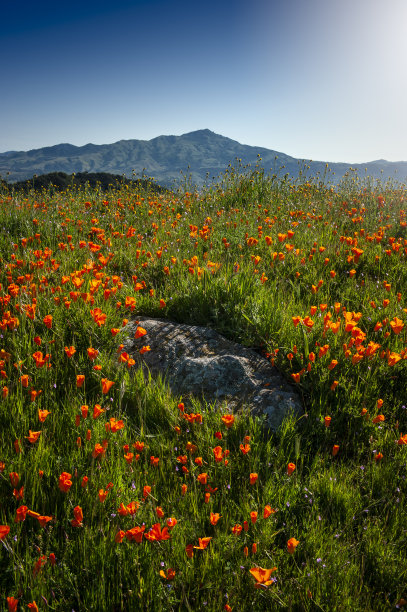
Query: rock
197, 361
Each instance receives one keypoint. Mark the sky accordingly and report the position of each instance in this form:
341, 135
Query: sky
315, 79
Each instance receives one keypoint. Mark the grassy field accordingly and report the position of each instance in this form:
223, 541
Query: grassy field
115, 494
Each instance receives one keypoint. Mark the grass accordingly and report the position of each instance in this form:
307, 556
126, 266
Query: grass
317, 279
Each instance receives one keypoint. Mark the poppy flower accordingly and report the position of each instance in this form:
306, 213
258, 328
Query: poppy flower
21, 513
253, 516
70, 351
203, 543
135, 534
4, 531
292, 545
80, 379
214, 518
119, 536
228, 420
12, 603
335, 450
327, 421
267, 511
157, 534
42, 415
43, 520
378, 457
245, 448
65, 482
97, 411
33, 436
237, 529
106, 385
48, 321
33, 606
78, 514
140, 332
14, 479
253, 478
92, 353
379, 418
261, 575
291, 468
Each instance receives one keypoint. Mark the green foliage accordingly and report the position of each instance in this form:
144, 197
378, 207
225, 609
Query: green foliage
273, 264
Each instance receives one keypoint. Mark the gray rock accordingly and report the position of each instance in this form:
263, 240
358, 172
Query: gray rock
197, 361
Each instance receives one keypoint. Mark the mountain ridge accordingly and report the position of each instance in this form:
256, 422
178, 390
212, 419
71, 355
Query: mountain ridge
202, 155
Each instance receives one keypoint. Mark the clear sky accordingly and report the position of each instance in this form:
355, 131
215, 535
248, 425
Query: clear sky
318, 79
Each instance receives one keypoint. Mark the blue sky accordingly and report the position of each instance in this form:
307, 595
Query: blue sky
325, 80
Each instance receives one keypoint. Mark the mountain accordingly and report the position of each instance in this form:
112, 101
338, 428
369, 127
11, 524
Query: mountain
202, 155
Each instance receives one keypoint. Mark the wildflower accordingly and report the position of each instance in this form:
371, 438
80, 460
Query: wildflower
214, 518
267, 511
253, 478
237, 529
245, 448
102, 495
262, 576
335, 450
292, 545
80, 379
33, 436
33, 606
48, 321
65, 482
379, 418
70, 351
184, 489
291, 468
106, 385
4, 531
253, 516
12, 604
140, 332
21, 513
203, 543
228, 420
327, 421
92, 353
42, 415
118, 538
97, 411
378, 457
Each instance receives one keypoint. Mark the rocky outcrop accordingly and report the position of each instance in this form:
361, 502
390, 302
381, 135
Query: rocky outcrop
197, 361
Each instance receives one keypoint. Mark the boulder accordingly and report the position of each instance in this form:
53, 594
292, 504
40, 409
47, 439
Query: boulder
197, 361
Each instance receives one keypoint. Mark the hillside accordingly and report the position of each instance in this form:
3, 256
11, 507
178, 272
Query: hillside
201, 155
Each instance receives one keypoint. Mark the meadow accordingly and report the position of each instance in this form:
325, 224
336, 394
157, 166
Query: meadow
116, 494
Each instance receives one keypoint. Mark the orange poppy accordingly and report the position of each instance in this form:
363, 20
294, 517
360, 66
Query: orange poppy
253, 478
203, 543
291, 468
261, 575
33, 436
228, 420
4, 531
292, 545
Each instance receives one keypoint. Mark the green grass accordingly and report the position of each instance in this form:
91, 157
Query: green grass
207, 256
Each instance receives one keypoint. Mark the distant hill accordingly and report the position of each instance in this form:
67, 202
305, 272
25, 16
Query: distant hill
202, 155
61, 181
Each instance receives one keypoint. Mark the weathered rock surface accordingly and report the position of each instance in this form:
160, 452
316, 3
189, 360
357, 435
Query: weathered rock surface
197, 361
